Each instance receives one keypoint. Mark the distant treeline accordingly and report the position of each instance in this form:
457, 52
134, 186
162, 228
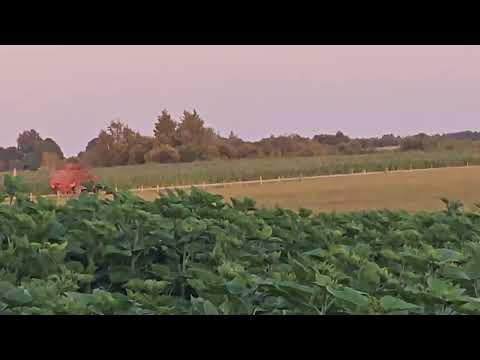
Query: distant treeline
30, 153
188, 139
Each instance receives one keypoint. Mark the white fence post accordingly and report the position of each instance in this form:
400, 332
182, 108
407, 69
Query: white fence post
261, 181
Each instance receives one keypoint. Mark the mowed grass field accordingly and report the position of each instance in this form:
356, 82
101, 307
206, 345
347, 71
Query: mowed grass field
149, 175
412, 191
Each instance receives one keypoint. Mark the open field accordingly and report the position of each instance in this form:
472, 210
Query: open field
127, 177
413, 191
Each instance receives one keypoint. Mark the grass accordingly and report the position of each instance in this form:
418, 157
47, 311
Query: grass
415, 191
127, 177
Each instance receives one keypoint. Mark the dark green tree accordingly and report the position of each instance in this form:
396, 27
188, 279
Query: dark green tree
50, 146
165, 129
27, 140
191, 128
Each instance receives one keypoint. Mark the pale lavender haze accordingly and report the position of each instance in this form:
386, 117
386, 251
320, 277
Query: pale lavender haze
71, 92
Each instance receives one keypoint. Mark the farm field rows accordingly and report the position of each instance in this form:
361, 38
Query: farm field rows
193, 253
127, 177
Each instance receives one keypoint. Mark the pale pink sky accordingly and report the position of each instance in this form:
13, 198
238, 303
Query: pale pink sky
71, 92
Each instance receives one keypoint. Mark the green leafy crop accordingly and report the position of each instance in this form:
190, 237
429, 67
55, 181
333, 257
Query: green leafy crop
14, 186
194, 253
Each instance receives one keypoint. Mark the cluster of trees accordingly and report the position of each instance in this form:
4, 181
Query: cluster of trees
31, 153
188, 139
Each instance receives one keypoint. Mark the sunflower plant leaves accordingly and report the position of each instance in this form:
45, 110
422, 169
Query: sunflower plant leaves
191, 252
391, 303
350, 295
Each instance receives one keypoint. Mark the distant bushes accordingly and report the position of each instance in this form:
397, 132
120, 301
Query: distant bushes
163, 154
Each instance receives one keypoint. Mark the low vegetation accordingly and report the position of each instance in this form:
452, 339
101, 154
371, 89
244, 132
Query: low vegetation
197, 254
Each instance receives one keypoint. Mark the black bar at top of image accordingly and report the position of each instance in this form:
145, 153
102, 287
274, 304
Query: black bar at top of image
237, 38
262, 26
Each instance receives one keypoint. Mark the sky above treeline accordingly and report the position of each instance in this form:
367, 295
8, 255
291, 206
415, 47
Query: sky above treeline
71, 92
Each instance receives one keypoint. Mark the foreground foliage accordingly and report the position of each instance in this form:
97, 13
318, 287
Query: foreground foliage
197, 254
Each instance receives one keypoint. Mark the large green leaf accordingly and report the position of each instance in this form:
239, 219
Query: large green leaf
5, 286
472, 268
209, 308
293, 286
17, 296
447, 255
120, 276
204, 306
455, 273
350, 295
316, 252
323, 280
113, 250
390, 303
443, 289
237, 286
84, 299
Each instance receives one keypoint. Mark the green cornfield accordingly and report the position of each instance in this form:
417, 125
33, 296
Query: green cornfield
133, 176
